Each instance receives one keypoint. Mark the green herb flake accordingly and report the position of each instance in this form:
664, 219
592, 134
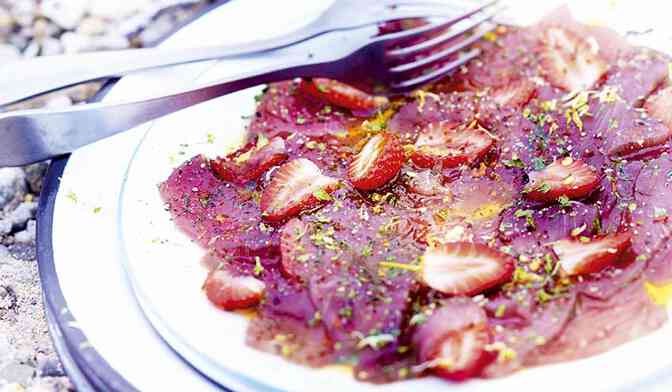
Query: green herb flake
322, 195
258, 268
538, 164
564, 201
659, 213
528, 215
514, 162
501, 309
211, 138
367, 250
300, 120
96, 210
72, 197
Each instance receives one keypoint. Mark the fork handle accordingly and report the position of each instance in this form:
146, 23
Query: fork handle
35, 135
24, 79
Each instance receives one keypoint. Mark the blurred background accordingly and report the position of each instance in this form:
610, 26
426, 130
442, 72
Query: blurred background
31, 28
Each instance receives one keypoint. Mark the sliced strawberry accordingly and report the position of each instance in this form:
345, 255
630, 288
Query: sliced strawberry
291, 249
341, 94
515, 94
569, 61
563, 177
230, 292
452, 342
451, 145
251, 162
297, 186
377, 163
659, 106
579, 258
465, 268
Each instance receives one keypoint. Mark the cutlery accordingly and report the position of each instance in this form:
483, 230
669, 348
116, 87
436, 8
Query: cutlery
68, 70
393, 59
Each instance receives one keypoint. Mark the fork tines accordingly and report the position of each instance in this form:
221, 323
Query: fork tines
420, 55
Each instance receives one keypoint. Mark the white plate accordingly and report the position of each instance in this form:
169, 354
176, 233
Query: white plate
163, 264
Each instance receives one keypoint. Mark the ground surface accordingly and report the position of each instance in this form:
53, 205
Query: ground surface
47, 27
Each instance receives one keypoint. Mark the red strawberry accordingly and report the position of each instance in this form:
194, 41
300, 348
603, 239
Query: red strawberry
232, 292
452, 342
451, 145
579, 258
297, 186
659, 106
249, 163
514, 94
563, 177
465, 268
341, 94
570, 62
377, 163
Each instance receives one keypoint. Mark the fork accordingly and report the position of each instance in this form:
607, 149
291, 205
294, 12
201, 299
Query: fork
34, 135
70, 70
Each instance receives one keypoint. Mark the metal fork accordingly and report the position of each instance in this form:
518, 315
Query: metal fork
69, 70
33, 135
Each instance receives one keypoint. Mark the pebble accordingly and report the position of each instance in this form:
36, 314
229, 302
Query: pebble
13, 186
65, 13
17, 373
28, 235
35, 172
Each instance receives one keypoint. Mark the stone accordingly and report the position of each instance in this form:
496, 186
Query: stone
92, 25
20, 216
76, 42
35, 172
65, 13
28, 235
23, 252
17, 373
13, 186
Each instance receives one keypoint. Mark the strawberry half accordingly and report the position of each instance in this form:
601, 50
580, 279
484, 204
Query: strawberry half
465, 268
451, 145
514, 94
297, 186
579, 258
563, 177
569, 61
230, 292
659, 106
250, 163
452, 343
341, 94
378, 162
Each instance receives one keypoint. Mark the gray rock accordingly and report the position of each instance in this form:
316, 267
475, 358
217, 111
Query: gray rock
65, 13
27, 236
13, 186
35, 172
17, 373
25, 252
22, 214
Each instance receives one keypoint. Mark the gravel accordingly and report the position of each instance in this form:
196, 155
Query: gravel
30, 28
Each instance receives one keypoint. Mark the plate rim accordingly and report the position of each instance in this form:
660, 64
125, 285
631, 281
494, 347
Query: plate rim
87, 370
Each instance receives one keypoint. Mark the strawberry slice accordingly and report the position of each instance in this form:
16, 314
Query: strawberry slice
580, 258
569, 61
452, 343
230, 292
426, 183
451, 145
659, 106
341, 94
465, 268
515, 94
297, 186
377, 163
563, 177
251, 162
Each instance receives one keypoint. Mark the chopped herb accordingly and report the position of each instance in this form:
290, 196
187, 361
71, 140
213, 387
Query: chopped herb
303, 258
597, 226
578, 230
528, 215
500, 310
642, 258
322, 195
544, 188
317, 317
300, 120
632, 206
72, 197
367, 250
543, 296
258, 97
258, 268
514, 162
538, 164
97, 210
659, 213
211, 138
564, 201
418, 318
345, 312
